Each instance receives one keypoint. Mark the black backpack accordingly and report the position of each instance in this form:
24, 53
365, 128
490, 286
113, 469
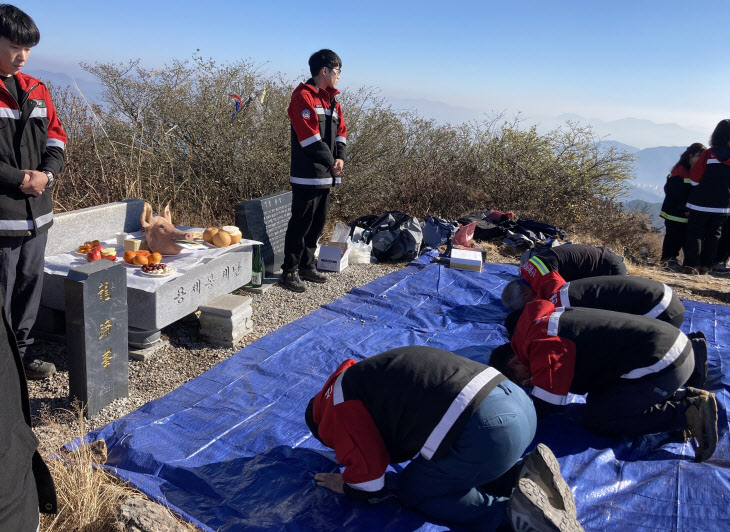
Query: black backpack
394, 235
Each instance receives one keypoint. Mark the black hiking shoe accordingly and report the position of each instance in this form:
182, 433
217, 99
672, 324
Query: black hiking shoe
313, 276
530, 510
702, 425
291, 281
543, 469
36, 369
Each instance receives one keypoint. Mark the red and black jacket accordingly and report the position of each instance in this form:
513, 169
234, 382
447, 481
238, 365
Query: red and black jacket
624, 293
571, 261
318, 136
710, 179
390, 407
676, 192
31, 138
576, 350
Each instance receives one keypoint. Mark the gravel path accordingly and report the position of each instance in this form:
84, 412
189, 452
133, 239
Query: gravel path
185, 357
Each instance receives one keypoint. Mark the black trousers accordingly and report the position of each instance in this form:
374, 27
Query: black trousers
640, 406
674, 239
21, 282
723, 247
703, 237
308, 216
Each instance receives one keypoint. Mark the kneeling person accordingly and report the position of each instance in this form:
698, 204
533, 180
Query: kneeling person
633, 369
572, 261
620, 293
465, 421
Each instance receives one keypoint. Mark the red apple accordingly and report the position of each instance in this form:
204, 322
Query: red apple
99, 248
93, 255
109, 254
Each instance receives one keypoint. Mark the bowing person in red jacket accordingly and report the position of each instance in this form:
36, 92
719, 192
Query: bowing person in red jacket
461, 424
632, 368
620, 293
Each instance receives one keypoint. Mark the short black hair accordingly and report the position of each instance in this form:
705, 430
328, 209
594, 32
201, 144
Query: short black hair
721, 136
17, 27
499, 360
510, 322
323, 58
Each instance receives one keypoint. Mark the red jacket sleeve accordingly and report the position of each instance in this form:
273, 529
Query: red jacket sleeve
552, 366
55, 148
305, 122
550, 283
341, 139
534, 272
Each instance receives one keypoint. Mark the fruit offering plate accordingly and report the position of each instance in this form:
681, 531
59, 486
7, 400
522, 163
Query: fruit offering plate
167, 272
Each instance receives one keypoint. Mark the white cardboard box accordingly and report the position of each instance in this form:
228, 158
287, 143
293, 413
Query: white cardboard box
333, 257
466, 259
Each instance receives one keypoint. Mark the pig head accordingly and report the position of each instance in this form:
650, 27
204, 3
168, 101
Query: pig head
161, 234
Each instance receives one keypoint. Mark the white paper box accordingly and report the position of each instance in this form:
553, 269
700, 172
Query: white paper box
333, 257
466, 259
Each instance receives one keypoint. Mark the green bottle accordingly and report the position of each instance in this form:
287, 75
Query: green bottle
257, 268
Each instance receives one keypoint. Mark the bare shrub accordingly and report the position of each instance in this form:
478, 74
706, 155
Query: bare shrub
167, 135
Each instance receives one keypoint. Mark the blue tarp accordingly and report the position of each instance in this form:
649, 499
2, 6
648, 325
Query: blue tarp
230, 450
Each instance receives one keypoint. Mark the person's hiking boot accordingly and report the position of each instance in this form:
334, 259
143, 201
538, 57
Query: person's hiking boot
671, 264
313, 276
530, 510
543, 469
291, 281
691, 270
720, 267
699, 348
36, 369
702, 424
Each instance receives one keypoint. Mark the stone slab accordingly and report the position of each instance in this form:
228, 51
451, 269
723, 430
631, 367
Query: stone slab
266, 219
177, 298
70, 229
226, 305
96, 334
222, 322
142, 338
143, 354
265, 286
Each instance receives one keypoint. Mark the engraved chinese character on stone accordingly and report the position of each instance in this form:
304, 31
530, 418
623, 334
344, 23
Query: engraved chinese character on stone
196, 286
227, 272
104, 291
210, 280
105, 329
236, 270
107, 358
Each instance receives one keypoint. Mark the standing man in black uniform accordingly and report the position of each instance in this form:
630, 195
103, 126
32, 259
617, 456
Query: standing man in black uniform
318, 141
32, 155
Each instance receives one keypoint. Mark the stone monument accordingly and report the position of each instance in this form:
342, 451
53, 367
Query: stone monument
96, 334
265, 219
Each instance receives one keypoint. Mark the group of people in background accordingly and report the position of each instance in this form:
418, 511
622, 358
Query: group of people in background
696, 207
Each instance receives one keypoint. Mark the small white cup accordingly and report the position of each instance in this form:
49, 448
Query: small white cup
121, 237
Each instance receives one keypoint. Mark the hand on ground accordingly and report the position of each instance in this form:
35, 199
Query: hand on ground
331, 481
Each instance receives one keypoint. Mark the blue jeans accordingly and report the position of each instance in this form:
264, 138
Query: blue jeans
451, 488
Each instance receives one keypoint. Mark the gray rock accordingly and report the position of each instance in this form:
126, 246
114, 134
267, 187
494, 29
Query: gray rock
137, 514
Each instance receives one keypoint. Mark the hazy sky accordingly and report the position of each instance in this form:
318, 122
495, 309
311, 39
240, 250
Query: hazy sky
653, 60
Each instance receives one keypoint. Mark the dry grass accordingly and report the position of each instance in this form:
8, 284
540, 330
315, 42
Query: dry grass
88, 496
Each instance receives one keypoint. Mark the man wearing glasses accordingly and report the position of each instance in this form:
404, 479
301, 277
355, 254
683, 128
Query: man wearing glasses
318, 141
